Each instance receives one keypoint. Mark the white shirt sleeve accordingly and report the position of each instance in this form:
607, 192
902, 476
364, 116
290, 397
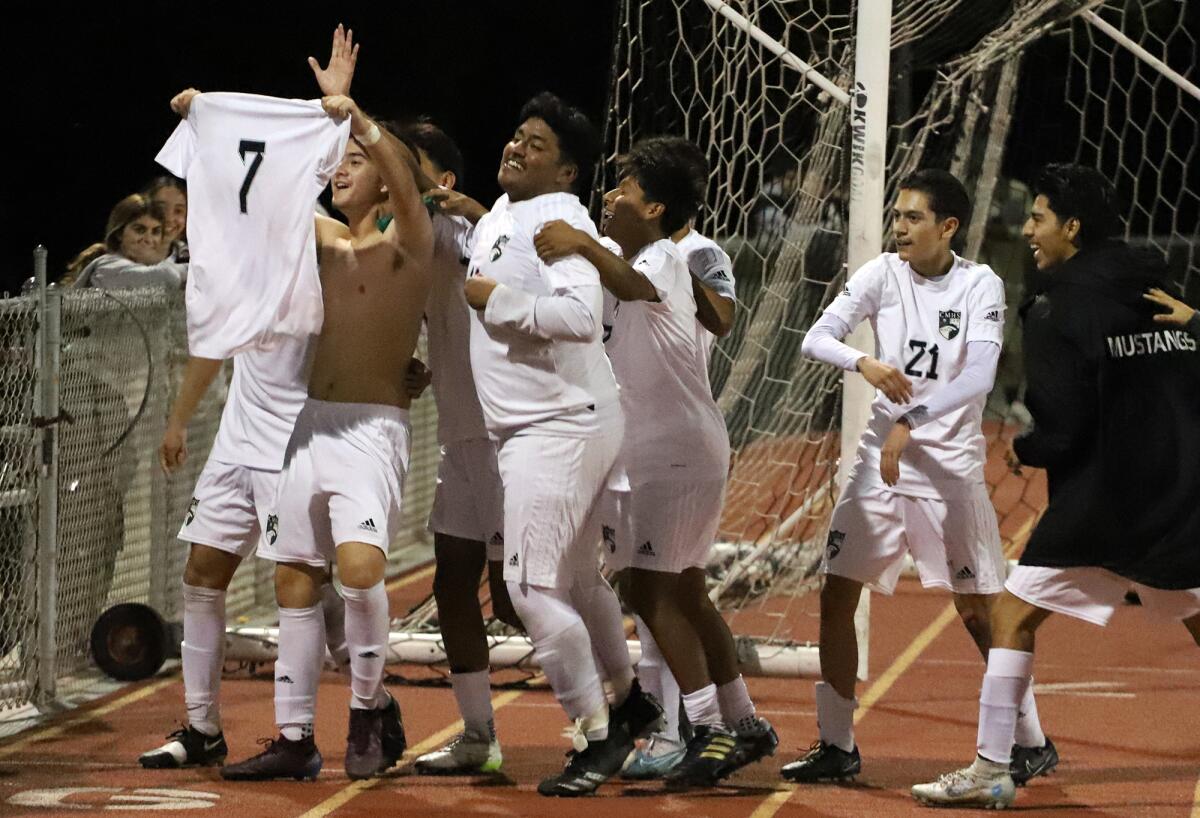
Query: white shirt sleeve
335, 138
823, 342
654, 265
977, 378
986, 304
713, 267
176, 154
113, 272
862, 295
570, 314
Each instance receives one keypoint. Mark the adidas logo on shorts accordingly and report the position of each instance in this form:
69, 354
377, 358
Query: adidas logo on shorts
965, 573
287, 680
368, 525
646, 549
513, 561
497, 539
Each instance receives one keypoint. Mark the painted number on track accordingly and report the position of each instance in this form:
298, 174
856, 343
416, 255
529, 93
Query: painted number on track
115, 798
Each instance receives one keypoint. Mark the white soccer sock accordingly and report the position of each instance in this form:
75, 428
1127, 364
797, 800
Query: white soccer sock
736, 707
563, 649
835, 717
1029, 726
298, 669
367, 639
1004, 685
657, 680
203, 653
702, 706
473, 692
597, 603
334, 608
595, 726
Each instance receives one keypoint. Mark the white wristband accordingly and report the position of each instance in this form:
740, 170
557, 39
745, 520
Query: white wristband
370, 137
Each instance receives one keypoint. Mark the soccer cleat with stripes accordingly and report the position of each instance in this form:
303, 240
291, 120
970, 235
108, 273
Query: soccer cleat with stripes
590, 767
465, 754
282, 758
823, 762
979, 785
1030, 762
187, 747
712, 754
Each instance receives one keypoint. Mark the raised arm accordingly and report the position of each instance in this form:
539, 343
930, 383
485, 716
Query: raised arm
335, 78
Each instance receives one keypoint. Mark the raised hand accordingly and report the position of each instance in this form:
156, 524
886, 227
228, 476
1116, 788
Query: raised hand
887, 379
1178, 313
335, 78
340, 106
453, 203
181, 103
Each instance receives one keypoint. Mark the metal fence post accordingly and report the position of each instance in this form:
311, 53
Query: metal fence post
49, 345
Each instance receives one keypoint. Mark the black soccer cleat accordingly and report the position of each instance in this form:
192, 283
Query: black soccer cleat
587, 769
1030, 762
756, 746
711, 754
393, 740
187, 747
364, 744
823, 762
282, 758
640, 713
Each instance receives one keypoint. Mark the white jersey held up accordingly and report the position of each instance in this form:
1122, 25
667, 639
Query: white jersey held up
922, 328
674, 431
536, 351
448, 322
254, 167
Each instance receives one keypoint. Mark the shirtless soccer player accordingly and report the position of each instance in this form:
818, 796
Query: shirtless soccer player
340, 493
550, 401
234, 492
676, 449
917, 483
1114, 391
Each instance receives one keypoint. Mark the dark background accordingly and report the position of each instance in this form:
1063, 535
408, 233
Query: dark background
92, 83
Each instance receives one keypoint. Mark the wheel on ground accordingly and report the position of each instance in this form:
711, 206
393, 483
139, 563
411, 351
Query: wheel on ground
129, 641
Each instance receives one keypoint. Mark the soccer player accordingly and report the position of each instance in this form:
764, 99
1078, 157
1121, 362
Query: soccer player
468, 507
550, 401
917, 482
340, 492
1114, 392
234, 492
676, 448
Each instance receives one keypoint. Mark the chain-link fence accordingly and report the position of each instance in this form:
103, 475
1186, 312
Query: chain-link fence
113, 362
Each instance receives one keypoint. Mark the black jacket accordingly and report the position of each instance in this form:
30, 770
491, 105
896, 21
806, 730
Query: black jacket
1115, 399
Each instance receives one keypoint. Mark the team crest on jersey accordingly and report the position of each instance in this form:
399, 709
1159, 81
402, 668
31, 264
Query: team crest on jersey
272, 528
949, 323
191, 512
834, 545
610, 538
498, 247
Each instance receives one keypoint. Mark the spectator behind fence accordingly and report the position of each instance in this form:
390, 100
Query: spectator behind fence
171, 193
130, 255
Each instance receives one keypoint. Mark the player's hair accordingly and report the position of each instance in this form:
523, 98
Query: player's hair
946, 194
1080, 192
437, 144
578, 140
160, 182
672, 171
128, 210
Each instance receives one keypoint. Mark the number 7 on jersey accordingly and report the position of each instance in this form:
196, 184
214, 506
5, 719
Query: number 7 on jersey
258, 149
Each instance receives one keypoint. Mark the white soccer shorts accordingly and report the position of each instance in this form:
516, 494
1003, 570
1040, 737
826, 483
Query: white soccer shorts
342, 481
469, 500
954, 543
662, 526
1093, 594
229, 507
552, 485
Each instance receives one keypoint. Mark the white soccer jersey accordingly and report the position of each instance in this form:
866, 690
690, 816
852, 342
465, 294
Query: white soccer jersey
922, 327
254, 166
707, 261
673, 428
448, 320
522, 376
267, 392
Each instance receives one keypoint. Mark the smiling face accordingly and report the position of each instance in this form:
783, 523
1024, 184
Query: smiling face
532, 163
357, 185
1052, 240
921, 238
629, 218
174, 204
141, 239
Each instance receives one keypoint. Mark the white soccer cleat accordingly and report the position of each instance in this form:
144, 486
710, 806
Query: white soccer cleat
973, 786
465, 754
